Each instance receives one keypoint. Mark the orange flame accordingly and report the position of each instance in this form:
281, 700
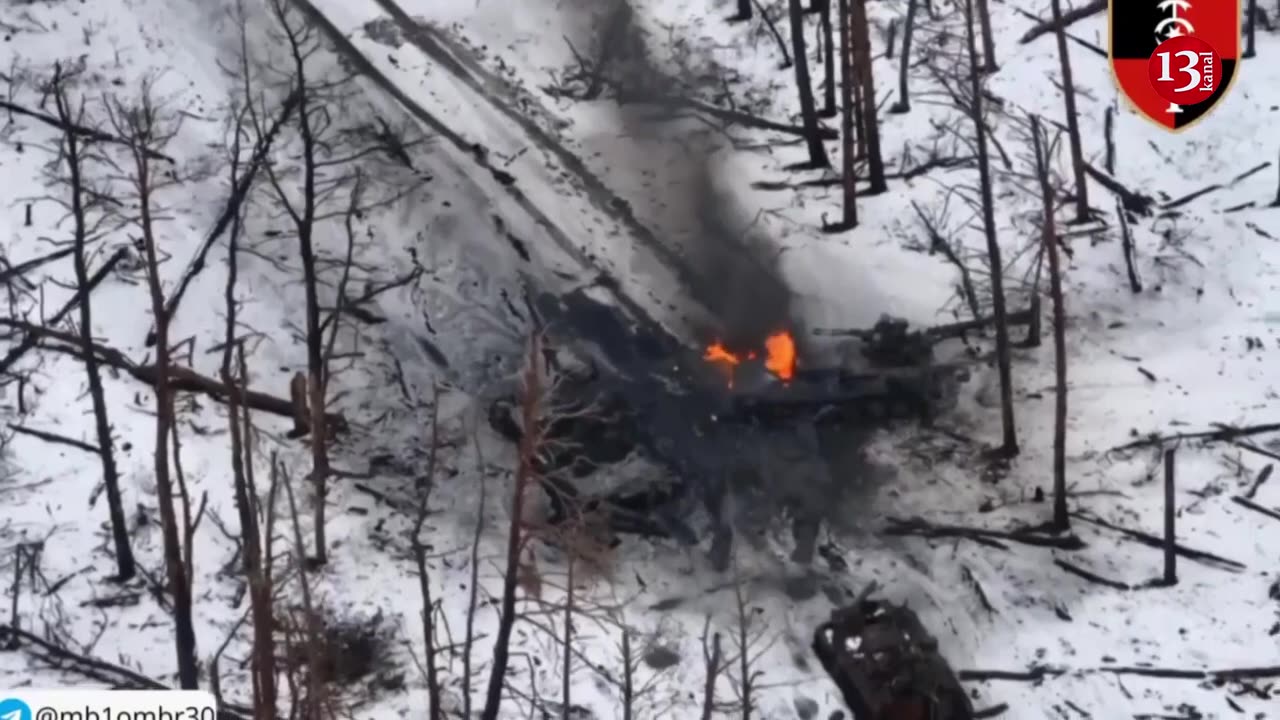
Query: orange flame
780, 356
780, 349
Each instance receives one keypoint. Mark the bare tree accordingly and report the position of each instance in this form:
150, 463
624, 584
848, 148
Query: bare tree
808, 111
870, 127
1073, 122
147, 134
532, 423
85, 206
473, 582
313, 120
746, 653
429, 606
566, 641
1009, 446
311, 698
255, 556
1061, 521
904, 60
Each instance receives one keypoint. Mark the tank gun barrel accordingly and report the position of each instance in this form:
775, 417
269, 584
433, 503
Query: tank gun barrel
937, 332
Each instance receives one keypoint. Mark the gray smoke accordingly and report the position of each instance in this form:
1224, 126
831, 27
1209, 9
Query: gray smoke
733, 271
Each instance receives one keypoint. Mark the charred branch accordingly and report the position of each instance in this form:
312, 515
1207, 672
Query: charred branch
1245, 502
17, 271
1222, 433
17, 351
1204, 558
1066, 20
56, 439
66, 126
1033, 536
1134, 202
181, 379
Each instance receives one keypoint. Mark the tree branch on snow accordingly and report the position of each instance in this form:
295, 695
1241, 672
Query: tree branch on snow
56, 438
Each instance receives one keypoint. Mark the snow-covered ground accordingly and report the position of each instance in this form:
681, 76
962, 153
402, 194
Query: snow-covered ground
1189, 351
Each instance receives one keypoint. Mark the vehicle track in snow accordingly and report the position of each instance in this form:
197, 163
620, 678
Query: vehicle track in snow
724, 255
499, 182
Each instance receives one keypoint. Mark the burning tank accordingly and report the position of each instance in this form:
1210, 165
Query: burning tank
713, 415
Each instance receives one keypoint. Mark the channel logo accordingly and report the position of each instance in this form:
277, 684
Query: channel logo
14, 709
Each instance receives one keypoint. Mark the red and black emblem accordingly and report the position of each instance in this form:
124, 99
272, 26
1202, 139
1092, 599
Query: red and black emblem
1174, 59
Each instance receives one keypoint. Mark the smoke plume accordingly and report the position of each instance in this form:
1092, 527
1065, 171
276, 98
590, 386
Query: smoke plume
732, 271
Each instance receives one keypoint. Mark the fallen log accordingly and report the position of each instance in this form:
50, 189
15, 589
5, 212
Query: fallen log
1038, 673
1065, 20
1221, 433
181, 379
188, 380
1251, 505
1200, 556
87, 133
1090, 575
1134, 202
994, 538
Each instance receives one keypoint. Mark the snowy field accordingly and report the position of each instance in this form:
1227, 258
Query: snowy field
563, 191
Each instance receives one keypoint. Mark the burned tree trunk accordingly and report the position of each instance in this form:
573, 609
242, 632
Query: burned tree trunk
1009, 445
989, 64
848, 178
744, 11
904, 61
1073, 122
876, 182
73, 156
808, 112
1049, 236
828, 59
